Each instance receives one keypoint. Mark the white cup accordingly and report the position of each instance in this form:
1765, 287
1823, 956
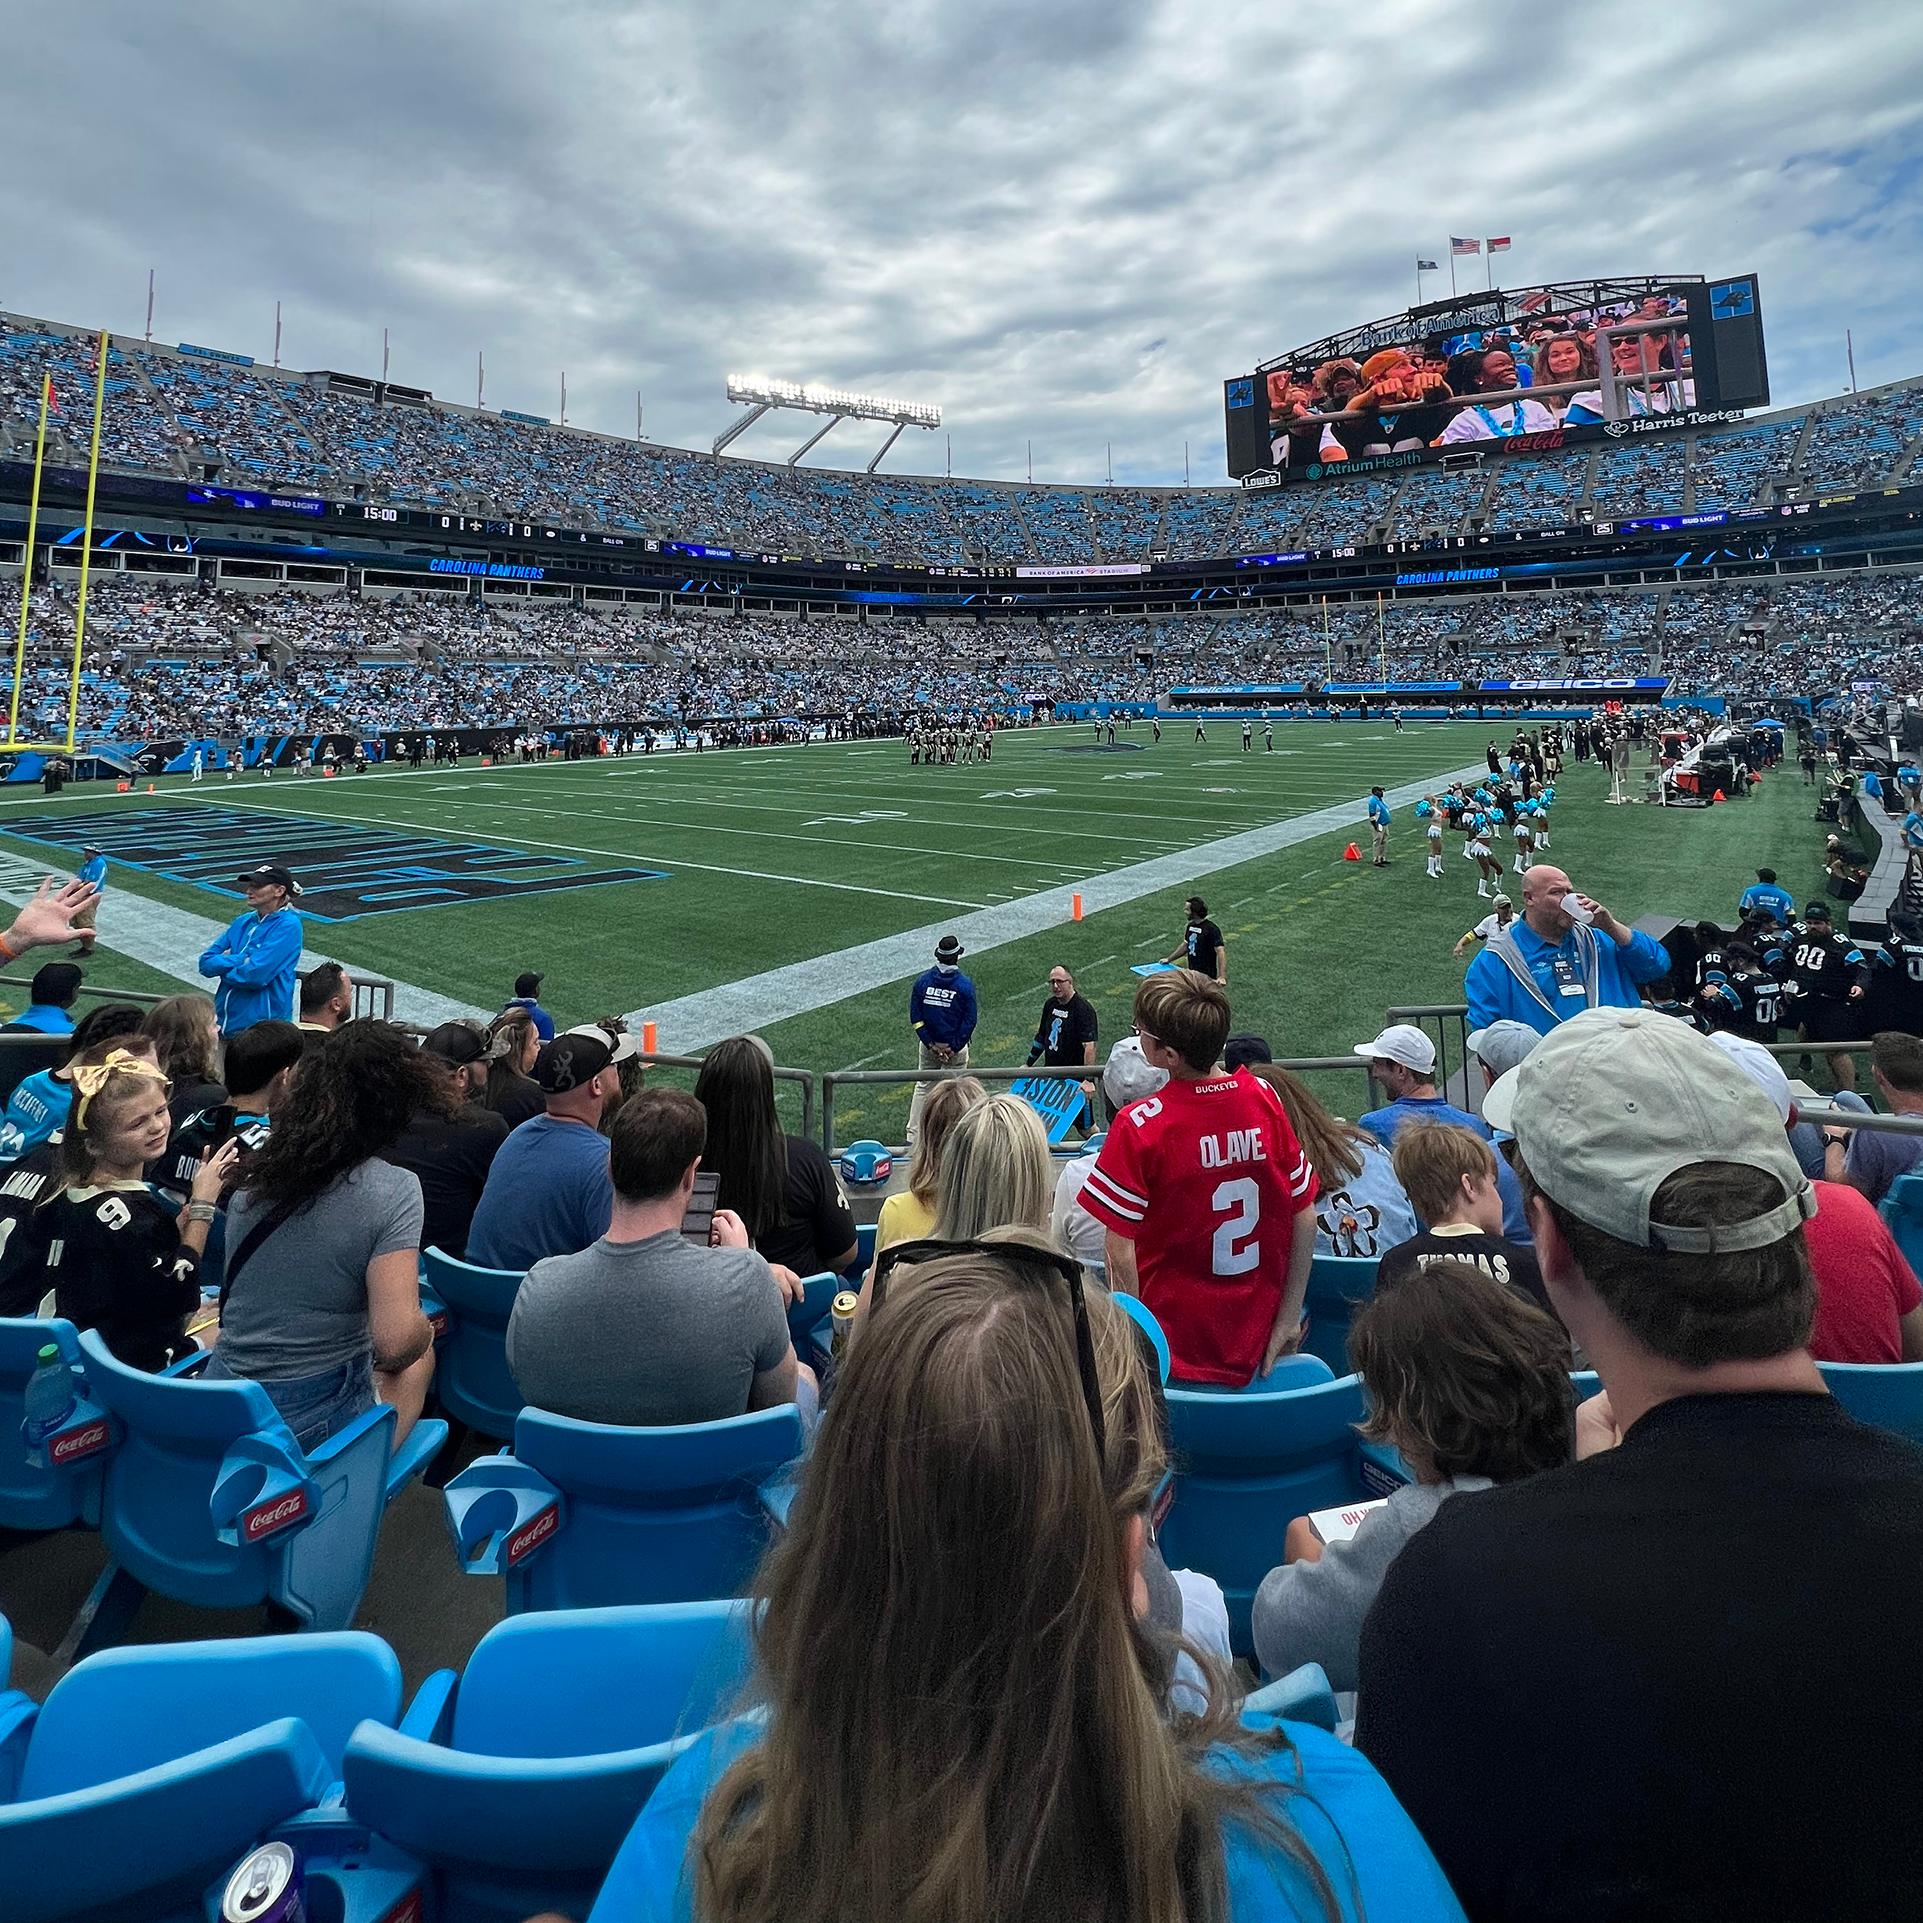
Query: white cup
1571, 906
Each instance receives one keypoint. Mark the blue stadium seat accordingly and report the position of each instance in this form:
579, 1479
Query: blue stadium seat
149, 1772
817, 1299
209, 1500
1902, 1210
517, 1783
1139, 1313
472, 1381
67, 1490
1338, 1286
1247, 1465
1886, 1395
864, 1253
583, 1514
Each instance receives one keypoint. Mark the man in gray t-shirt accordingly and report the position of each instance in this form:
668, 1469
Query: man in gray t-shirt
645, 1328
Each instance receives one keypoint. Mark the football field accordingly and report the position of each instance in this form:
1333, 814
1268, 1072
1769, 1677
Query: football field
795, 891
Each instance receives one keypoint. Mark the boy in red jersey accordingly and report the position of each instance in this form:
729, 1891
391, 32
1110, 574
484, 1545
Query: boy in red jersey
1205, 1195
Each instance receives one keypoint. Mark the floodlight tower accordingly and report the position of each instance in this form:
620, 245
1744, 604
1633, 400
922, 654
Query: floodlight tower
762, 396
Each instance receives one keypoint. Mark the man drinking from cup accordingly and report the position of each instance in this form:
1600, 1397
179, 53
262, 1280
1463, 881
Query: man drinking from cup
1566, 953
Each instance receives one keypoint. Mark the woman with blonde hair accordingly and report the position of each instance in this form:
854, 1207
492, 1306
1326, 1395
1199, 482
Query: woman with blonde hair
187, 1047
995, 1172
1360, 1207
512, 1093
964, 1710
909, 1215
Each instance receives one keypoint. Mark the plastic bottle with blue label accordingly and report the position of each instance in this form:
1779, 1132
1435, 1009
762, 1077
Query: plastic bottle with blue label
48, 1402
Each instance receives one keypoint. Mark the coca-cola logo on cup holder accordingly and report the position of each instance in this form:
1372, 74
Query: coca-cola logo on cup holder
269, 1518
530, 1536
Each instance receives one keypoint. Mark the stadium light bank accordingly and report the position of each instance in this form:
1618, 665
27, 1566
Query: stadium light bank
839, 404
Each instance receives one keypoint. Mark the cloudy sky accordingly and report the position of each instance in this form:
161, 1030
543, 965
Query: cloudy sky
1063, 220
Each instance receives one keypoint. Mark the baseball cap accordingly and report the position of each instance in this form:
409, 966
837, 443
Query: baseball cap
577, 1055
1762, 1068
527, 986
1615, 1101
1129, 1075
1502, 1045
1240, 1050
1817, 911
1401, 1042
269, 872
456, 1043
948, 950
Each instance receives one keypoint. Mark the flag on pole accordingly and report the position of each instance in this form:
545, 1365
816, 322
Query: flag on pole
1425, 266
1535, 303
1499, 243
1460, 246
53, 398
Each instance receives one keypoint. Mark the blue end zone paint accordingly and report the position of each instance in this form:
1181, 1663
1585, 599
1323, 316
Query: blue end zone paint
347, 869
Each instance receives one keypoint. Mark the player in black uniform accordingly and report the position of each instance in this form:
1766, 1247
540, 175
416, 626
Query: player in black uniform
1829, 979
1896, 978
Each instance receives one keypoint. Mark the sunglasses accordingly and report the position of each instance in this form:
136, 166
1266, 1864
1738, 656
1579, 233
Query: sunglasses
1018, 1255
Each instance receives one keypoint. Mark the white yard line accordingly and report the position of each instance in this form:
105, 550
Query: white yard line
171, 941
798, 988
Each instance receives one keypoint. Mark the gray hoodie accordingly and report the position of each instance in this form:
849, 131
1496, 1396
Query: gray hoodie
1311, 1612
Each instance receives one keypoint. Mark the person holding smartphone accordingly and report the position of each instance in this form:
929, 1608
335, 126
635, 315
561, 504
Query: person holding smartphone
645, 1328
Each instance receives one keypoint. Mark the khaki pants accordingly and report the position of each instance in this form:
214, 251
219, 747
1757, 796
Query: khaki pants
929, 1060
1381, 841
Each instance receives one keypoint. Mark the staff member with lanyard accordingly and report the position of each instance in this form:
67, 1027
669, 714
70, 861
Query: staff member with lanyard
1567, 953
1065, 1035
255, 959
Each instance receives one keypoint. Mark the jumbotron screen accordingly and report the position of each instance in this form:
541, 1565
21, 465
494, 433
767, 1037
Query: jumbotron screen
1501, 373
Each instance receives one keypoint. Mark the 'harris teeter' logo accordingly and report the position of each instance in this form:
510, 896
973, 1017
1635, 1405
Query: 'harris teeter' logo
347, 868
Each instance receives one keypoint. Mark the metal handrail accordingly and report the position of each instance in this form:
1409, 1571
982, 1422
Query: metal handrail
1442, 1014
1090, 1072
139, 998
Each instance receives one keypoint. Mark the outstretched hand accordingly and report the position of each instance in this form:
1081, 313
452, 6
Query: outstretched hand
47, 919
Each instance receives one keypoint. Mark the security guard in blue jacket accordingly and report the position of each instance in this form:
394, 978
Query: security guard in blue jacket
253, 962
941, 1010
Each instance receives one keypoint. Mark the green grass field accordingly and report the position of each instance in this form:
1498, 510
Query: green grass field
800, 859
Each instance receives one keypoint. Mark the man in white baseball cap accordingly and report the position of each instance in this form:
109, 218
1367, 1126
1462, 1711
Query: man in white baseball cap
1402, 1061
1725, 1526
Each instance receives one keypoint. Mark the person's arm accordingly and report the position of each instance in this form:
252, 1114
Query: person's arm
269, 954
218, 957
1119, 1259
1221, 958
1285, 1336
834, 1223
1040, 1043
777, 1372
1485, 986
970, 1014
46, 919
400, 1332
773, 1388
1910, 1330
203, 1198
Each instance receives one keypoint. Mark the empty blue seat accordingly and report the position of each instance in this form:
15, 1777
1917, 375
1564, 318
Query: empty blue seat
472, 1381
517, 1783
1246, 1466
1902, 1210
818, 1294
1886, 1395
1143, 1317
1338, 1287
149, 1772
583, 1514
66, 1488
210, 1500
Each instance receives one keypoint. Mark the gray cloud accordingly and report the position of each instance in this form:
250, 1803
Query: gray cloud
1066, 223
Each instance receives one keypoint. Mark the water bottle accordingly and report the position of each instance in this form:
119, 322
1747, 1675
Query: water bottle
48, 1402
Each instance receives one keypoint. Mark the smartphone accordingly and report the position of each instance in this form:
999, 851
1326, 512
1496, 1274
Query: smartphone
220, 1125
700, 1216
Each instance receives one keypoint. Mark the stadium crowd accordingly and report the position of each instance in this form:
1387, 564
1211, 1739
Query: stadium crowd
203, 419
1557, 1561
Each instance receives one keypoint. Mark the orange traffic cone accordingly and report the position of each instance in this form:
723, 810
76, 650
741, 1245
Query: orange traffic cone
123, 787
1719, 796
151, 789
1352, 853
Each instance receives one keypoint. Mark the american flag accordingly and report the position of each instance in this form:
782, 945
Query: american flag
1457, 246
1535, 303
